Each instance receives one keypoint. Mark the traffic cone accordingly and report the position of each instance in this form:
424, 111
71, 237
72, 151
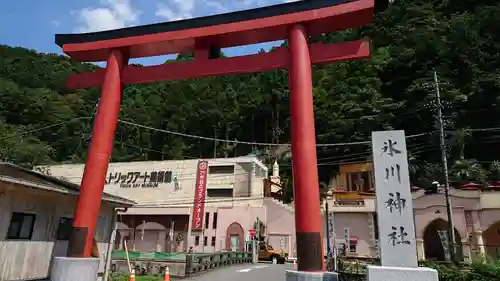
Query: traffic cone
166, 277
294, 265
132, 275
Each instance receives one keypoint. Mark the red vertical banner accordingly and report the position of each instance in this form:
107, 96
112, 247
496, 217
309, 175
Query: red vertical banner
199, 195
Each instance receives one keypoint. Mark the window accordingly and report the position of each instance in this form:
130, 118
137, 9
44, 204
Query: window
207, 220
221, 192
168, 177
361, 182
221, 169
197, 240
205, 241
21, 226
213, 241
64, 229
214, 221
352, 246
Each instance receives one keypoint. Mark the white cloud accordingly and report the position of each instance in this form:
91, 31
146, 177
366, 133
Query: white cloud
217, 7
179, 10
185, 5
55, 23
173, 10
112, 15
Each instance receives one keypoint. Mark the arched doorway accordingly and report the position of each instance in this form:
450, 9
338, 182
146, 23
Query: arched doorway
150, 237
123, 233
492, 241
433, 246
235, 237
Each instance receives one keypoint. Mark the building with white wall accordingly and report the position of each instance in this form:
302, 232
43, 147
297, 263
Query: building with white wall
36, 216
172, 215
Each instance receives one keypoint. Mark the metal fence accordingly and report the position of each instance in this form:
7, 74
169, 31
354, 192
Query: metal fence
179, 264
349, 269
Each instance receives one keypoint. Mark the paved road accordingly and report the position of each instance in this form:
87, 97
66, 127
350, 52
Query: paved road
245, 272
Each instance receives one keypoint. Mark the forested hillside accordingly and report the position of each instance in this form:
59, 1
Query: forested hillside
42, 123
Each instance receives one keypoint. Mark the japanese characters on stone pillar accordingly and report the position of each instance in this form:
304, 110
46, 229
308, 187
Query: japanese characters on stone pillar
394, 202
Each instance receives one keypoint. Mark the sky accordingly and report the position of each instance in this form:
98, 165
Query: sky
32, 24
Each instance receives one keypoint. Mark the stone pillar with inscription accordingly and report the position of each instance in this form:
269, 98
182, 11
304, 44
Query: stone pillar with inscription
398, 245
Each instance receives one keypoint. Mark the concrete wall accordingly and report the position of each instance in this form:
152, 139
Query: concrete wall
473, 214
360, 230
279, 222
477, 205
30, 259
280, 226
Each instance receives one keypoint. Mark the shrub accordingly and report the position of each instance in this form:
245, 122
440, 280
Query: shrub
477, 271
489, 271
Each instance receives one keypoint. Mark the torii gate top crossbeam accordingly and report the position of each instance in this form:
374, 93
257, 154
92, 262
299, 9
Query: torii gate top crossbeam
220, 31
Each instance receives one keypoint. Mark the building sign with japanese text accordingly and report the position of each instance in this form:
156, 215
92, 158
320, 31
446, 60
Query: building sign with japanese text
394, 201
139, 179
199, 196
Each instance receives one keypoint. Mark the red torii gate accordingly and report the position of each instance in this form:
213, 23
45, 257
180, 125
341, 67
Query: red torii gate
204, 37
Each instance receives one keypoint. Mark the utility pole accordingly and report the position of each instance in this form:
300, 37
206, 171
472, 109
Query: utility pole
451, 228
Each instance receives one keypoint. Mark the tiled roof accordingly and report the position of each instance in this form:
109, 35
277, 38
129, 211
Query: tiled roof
12, 171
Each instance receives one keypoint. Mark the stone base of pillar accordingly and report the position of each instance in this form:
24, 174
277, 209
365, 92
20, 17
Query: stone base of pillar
293, 275
466, 252
74, 269
385, 273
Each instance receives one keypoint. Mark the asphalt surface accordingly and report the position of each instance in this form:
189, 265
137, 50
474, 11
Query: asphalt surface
245, 272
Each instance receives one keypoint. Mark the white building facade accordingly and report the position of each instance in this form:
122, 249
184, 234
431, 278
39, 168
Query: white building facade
225, 198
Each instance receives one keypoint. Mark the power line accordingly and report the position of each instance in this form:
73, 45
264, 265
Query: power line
245, 142
339, 158
42, 128
88, 126
192, 175
217, 139
367, 142
189, 200
360, 159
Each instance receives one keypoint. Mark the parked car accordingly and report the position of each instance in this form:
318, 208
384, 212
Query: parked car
267, 253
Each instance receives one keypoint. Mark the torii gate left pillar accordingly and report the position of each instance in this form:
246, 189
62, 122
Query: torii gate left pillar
307, 20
